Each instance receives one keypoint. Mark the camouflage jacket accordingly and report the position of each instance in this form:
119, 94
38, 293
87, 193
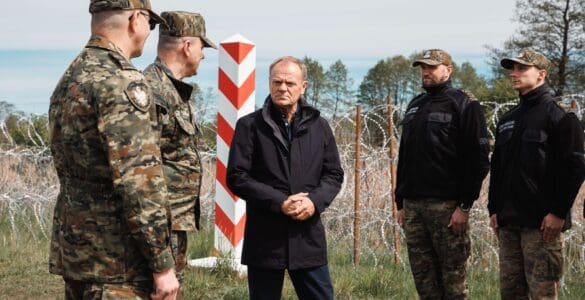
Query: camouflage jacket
178, 144
110, 223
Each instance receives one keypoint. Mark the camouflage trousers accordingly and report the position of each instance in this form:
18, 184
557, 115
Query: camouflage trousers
437, 256
530, 268
78, 290
179, 249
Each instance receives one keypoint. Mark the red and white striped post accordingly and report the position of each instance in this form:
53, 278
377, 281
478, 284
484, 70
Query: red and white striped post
237, 98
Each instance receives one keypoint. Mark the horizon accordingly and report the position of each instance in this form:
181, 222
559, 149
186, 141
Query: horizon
358, 33
30, 93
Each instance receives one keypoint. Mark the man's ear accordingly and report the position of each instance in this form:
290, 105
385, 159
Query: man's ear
543, 74
187, 47
133, 21
305, 84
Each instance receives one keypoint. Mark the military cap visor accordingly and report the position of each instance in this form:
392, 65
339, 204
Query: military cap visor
207, 42
526, 58
508, 63
430, 62
97, 6
433, 57
156, 18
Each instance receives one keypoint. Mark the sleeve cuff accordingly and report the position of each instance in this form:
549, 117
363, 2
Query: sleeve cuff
276, 205
163, 261
468, 203
491, 211
319, 206
560, 213
399, 203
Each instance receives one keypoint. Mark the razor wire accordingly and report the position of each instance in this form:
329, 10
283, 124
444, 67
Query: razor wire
29, 187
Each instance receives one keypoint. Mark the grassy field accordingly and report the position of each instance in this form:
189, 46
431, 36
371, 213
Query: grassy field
29, 187
24, 275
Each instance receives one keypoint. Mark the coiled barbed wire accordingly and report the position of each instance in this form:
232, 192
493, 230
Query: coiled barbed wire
29, 187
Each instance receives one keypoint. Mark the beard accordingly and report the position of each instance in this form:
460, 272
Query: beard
430, 82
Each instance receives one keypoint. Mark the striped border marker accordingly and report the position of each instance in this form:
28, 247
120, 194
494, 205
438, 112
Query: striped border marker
237, 98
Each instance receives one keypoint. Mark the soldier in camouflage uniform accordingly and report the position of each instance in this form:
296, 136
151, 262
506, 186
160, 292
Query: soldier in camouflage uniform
442, 162
538, 165
110, 236
180, 51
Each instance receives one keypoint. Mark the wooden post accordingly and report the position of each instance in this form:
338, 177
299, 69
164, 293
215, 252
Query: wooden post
356, 204
393, 175
573, 107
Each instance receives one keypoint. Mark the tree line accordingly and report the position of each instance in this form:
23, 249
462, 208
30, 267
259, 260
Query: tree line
555, 28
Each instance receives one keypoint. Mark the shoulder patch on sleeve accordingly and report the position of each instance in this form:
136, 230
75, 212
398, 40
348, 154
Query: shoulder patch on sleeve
139, 94
469, 95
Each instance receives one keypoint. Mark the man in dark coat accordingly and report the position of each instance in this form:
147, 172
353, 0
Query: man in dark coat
537, 168
443, 160
284, 163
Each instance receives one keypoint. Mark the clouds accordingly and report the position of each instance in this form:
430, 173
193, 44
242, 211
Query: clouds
342, 28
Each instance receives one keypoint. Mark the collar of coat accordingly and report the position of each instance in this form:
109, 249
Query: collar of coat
100, 42
535, 96
309, 114
439, 87
185, 90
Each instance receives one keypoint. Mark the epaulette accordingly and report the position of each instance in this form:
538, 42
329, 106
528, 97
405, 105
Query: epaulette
415, 99
469, 95
122, 61
419, 95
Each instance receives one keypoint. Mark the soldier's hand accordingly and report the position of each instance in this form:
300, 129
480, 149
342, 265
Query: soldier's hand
494, 225
400, 217
291, 203
459, 221
305, 210
551, 227
166, 285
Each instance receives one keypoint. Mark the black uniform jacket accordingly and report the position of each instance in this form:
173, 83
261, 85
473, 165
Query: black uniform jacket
538, 163
263, 169
444, 147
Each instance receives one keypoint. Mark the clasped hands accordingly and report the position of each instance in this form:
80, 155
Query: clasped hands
298, 206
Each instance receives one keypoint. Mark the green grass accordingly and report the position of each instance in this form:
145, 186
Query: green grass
24, 274
24, 270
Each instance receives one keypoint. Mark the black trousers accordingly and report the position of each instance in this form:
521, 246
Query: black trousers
310, 283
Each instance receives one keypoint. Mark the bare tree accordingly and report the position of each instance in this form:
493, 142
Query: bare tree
555, 28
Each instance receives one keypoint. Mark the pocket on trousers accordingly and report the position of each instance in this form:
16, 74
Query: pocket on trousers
543, 260
552, 268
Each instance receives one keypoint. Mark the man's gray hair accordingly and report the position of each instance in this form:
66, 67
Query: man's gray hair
170, 43
291, 59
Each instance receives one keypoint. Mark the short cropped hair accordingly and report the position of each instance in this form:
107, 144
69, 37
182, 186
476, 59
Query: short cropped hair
110, 19
169, 43
291, 59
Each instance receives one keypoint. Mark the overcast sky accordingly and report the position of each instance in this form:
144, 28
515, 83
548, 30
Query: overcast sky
342, 28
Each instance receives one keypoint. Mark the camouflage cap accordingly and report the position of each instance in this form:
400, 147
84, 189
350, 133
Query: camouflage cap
96, 6
434, 57
527, 58
185, 24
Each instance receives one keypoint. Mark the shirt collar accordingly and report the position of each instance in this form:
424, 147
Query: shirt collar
98, 41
